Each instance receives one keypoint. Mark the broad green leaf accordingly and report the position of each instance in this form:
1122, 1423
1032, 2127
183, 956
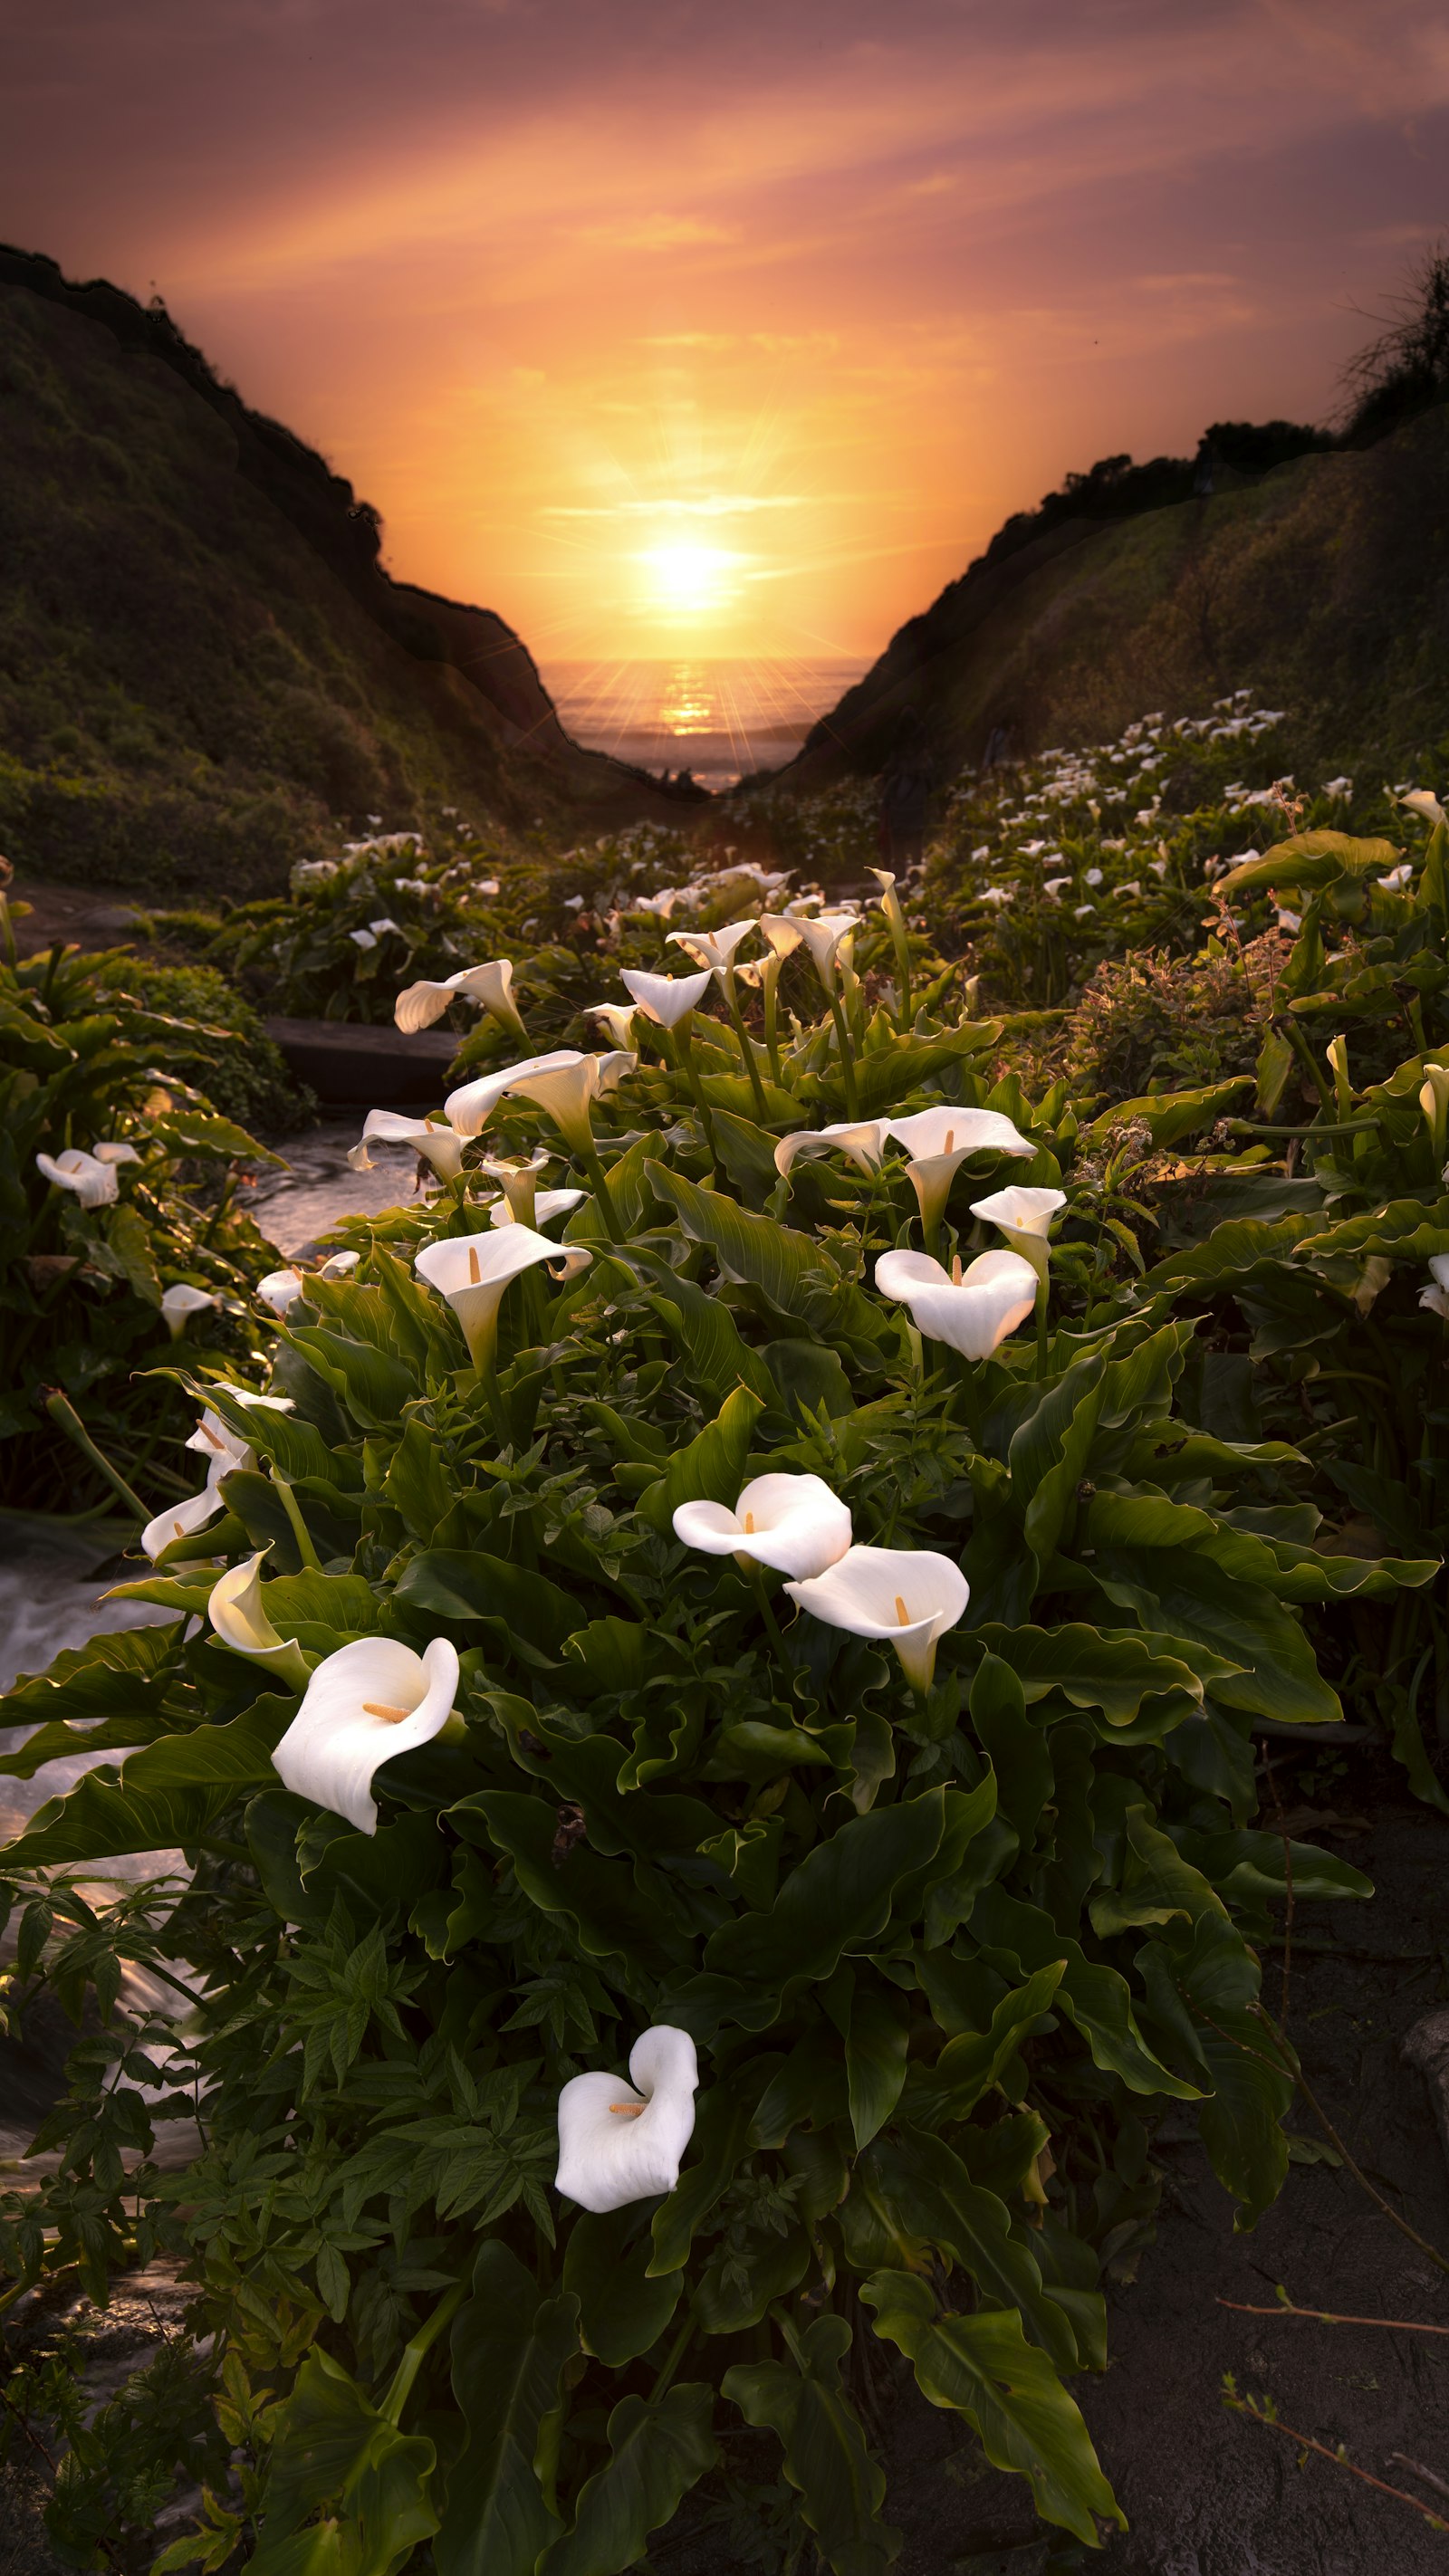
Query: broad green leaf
838, 1899
334, 2446
712, 1467
467, 1584
130, 1239
1017, 1750
1049, 1452
875, 2058
984, 2367
1017, 1936
930, 2195
1111, 1669
1171, 1115
826, 2456
658, 2449
786, 1267
1310, 860
112, 1691
510, 2347
623, 2306
973, 2061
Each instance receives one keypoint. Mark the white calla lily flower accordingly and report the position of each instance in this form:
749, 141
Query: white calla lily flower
566, 1093
862, 1141
109, 1151
715, 949
619, 2142
519, 1180
469, 1108
236, 1614
88, 1177
490, 986
181, 1300
829, 938
439, 1145
906, 1596
782, 936
473, 1270
1436, 1296
182, 1520
938, 1141
547, 1204
281, 1289
666, 999
372, 1699
616, 1018
1024, 1216
1420, 801
971, 1310
794, 1524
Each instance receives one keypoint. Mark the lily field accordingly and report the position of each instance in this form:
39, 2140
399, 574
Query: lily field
697, 1792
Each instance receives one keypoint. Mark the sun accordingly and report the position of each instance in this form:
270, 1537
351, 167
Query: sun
688, 578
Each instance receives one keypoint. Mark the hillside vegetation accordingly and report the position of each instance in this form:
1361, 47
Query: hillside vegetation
1322, 586
204, 671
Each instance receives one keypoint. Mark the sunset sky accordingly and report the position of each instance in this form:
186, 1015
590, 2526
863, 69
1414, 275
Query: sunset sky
661, 326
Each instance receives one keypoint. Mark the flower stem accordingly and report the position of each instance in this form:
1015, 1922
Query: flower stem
847, 1060
684, 1043
598, 1182
747, 1048
63, 1412
300, 1531
672, 2359
416, 2352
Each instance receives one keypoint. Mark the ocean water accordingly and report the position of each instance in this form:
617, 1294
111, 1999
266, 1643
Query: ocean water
720, 720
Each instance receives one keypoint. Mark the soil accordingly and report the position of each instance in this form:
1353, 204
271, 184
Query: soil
1207, 2492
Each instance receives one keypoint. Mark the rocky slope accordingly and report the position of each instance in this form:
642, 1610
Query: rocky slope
1322, 585
205, 672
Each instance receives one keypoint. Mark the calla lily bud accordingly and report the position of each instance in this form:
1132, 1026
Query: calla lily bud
971, 1310
793, 1523
236, 1613
473, 1270
620, 2142
181, 1300
906, 1596
372, 1699
666, 999
490, 986
90, 1177
1024, 1217
862, 1142
438, 1145
939, 1141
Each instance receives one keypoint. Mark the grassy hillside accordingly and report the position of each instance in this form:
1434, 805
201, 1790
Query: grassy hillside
204, 672
1323, 587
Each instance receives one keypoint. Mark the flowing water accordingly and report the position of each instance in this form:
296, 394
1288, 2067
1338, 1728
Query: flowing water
720, 720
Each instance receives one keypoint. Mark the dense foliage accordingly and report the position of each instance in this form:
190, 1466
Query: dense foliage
86, 1262
945, 1943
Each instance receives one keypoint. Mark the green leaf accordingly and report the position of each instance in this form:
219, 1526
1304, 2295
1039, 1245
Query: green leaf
112, 1691
786, 1267
510, 2347
1016, 1749
930, 2196
129, 1237
1049, 1452
1310, 860
826, 2457
875, 2058
168, 1794
1016, 1936
658, 2449
838, 1899
984, 2367
973, 2061
1169, 1116
467, 1584
333, 2445
623, 2306
712, 1467
1115, 1670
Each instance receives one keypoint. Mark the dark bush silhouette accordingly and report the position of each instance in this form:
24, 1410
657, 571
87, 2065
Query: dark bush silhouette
1405, 368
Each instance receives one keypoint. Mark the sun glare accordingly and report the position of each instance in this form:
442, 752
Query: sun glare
688, 578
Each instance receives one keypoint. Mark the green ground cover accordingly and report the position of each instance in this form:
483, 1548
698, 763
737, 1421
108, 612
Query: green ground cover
945, 1861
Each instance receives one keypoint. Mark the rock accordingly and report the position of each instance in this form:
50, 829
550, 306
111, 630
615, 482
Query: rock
1426, 2046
